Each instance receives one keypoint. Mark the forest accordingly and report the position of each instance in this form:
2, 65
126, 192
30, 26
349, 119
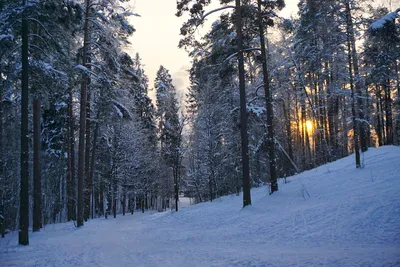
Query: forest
269, 97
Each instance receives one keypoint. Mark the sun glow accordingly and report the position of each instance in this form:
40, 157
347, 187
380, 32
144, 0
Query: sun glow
309, 126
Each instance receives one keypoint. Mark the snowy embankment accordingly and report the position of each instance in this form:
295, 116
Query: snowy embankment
334, 215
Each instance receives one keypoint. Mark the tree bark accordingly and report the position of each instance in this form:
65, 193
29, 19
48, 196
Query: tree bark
71, 159
353, 100
82, 121
2, 173
345, 148
88, 182
23, 236
243, 109
124, 203
388, 113
93, 161
176, 187
398, 102
363, 126
37, 184
378, 113
268, 103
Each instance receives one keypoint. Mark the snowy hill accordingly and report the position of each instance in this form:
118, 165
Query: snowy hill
334, 215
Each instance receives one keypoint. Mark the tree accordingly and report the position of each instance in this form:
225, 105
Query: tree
23, 237
197, 17
170, 130
380, 57
268, 96
363, 126
82, 118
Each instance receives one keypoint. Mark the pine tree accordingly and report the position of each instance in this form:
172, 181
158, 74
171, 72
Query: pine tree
23, 237
169, 128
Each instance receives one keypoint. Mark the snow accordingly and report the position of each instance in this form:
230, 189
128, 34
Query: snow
382, 21
84, 69
256, 110
7, 36
334, 215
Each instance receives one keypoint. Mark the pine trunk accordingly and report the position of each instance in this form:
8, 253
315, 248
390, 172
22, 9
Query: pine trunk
88, 182
353, 99
2, 173
378, 115
71, 159
363, 126
176, 188
243, 109
398, 102
93, 165
82, 121
268, 103
388, 113
37, 186
23, 236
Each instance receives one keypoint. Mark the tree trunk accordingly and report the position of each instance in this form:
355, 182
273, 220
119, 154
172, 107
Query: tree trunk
382, 113
124, 203
176, 188
353, 99
101, 197
398, 102
268, 103
388, 113
88, 182
378, 115
363, 126
82, 120
23, 236
332, 117
345, 150
2, 173
37, 186
243, 109
115, 208
71, 159
93, 160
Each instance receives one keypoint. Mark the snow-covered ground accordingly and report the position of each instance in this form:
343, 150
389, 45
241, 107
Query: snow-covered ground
334, 215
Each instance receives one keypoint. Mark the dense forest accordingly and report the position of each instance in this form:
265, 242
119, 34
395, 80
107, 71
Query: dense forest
269, 97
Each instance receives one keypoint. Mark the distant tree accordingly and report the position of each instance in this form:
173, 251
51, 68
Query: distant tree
170, 129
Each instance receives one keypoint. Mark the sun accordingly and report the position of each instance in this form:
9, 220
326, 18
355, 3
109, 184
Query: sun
309, 126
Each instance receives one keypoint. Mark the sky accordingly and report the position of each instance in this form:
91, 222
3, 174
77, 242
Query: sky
157, 36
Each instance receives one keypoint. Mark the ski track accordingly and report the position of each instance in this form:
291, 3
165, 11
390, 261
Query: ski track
352, 218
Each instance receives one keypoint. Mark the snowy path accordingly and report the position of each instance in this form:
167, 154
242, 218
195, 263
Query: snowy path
352, 218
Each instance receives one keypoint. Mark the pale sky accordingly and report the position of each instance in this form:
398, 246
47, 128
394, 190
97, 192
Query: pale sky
157, 37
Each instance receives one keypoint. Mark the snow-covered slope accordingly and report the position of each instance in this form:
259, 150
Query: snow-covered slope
334, 215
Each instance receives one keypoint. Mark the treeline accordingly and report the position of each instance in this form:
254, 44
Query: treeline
82, 138
333, 77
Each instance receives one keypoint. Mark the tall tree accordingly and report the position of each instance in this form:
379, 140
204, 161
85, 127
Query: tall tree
268, 95
23, 237
169, 128
243, 108
82, 118
363, 125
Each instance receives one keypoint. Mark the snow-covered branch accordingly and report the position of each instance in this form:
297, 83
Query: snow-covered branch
215, 10
378, 24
